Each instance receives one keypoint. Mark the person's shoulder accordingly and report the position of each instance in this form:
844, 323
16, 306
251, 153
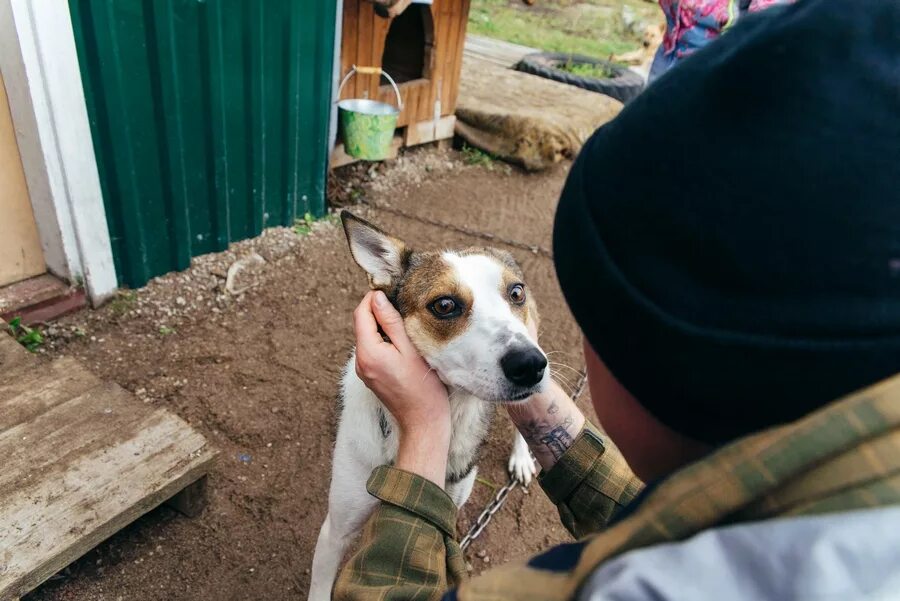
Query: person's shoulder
846, 555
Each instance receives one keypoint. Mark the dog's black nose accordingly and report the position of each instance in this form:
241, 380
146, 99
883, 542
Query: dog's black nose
524, 366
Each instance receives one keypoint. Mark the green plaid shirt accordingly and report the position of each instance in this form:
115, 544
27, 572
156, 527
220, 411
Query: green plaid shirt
843, 457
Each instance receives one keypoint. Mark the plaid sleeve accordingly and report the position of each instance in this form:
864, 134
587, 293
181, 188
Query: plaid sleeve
408, 550
589, 483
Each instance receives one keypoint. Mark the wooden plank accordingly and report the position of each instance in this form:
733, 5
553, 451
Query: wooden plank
72, 300
349, 41
25, 394
423, 108
21, 255
30, 292
364, 48
412, 103
411, 92
80, 472
445, 128
45, 441
12, 355
498, 52
457, 49
442, 33
192, 499
429, 131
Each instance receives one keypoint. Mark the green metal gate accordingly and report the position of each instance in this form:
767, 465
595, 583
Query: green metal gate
210, 120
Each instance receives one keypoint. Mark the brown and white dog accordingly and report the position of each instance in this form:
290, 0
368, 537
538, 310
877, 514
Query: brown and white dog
467, 313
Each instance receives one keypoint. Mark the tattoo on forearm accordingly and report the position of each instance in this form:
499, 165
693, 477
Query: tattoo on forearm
554, 437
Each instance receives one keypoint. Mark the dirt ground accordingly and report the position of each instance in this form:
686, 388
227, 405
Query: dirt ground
255, 369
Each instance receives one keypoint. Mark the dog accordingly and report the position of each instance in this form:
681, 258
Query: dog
466, 312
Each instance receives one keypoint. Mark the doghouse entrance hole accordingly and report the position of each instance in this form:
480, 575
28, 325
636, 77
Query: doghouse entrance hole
409, 45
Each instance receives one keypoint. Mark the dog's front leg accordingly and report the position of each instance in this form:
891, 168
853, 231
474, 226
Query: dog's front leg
349, 506
521, 464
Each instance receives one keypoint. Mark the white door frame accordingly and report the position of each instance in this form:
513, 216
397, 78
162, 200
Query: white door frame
40, 68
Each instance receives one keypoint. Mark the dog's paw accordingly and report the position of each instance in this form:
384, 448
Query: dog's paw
521, 466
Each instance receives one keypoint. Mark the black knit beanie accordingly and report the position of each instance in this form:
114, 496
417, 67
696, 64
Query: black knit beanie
730, 244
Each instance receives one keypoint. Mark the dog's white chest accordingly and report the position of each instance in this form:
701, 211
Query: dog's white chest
373, 431
470, 420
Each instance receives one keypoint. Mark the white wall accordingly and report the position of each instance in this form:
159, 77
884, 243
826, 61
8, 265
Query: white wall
40, 67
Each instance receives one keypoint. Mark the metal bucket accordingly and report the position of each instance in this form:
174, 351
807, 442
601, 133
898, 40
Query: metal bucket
368, 125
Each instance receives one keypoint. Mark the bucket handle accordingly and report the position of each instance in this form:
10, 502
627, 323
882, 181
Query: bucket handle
371, 71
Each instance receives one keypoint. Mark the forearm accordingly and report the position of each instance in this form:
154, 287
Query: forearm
425, 453
583, 474
549, 423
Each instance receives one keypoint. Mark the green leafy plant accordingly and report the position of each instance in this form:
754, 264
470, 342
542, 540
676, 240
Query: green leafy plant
124, 301
588, 70
476, 156
30, 338
303, 227
166, 330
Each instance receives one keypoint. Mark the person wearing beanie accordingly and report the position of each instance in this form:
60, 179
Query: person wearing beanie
739, 297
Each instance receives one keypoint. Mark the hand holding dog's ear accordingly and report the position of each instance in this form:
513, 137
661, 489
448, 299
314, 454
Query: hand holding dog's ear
407, 387
394, 370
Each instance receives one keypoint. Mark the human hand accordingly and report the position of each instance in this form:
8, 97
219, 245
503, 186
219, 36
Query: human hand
406, 385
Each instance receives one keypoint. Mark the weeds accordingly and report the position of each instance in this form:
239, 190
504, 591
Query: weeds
303, 227
166, 330
476, 156
588, 70
124, 301
30, 338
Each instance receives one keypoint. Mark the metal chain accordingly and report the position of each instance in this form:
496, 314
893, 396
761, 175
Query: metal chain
499, 499
538, 250
489, 511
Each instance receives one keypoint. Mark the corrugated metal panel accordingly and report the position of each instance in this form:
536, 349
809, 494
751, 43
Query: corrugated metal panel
209, 118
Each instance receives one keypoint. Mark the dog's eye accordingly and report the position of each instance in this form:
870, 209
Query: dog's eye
517, 294
445, 307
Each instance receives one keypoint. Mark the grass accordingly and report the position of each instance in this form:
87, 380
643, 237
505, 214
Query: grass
124, 301
303, 227
595, 28
30, 338
476, 156
586, 70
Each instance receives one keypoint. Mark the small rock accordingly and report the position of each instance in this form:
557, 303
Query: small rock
180, 301
481, 554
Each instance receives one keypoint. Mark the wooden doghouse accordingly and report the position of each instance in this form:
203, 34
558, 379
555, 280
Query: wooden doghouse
422, 49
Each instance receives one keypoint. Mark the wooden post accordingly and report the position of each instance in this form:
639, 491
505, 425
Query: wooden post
191, 500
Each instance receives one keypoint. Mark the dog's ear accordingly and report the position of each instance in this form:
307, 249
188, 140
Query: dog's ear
383, 257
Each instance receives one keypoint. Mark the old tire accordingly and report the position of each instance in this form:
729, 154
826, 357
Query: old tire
623, 85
